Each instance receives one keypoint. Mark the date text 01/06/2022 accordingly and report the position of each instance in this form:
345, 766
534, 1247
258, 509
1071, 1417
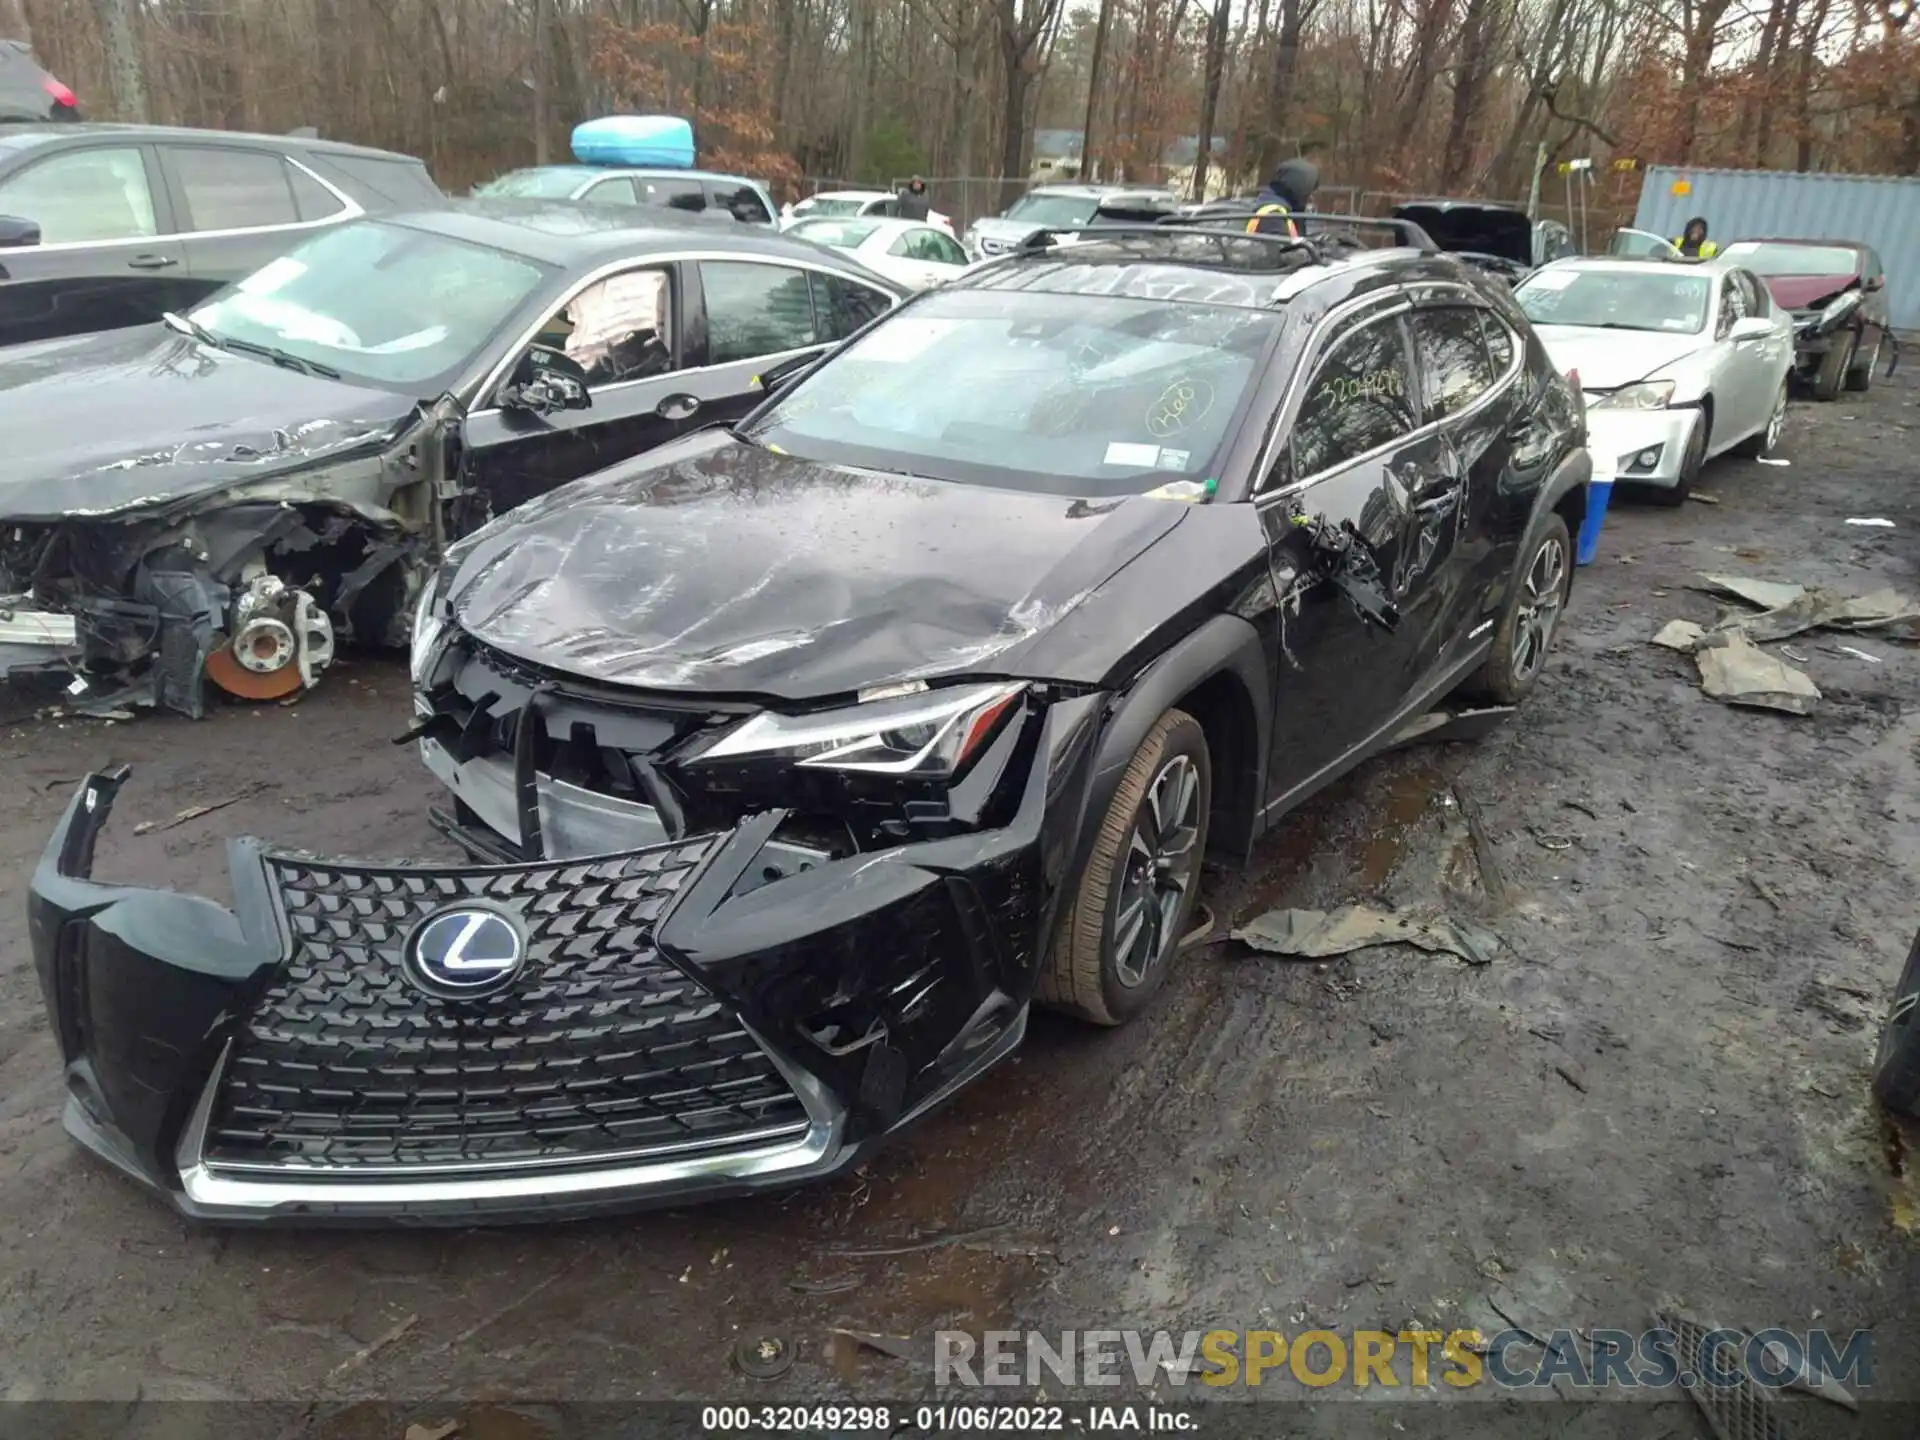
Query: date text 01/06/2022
945, 1419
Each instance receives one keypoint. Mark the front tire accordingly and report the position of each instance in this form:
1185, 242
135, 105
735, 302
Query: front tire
1834, 366
1896, 1066
1691, 464
1531, 616
1768, 440
1860, 379
1134, 900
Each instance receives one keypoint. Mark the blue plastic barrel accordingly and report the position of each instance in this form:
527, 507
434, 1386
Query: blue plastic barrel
1599, 491
663, 141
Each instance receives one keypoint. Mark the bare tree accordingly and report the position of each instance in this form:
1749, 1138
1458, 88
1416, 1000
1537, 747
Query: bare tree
126, 60
1217, 31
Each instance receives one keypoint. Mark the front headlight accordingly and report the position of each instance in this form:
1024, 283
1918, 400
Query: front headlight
1648, 395
927, 735
430, 618
1839, 307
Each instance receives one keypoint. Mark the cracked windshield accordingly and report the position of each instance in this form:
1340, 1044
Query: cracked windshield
1082, 395
953, 718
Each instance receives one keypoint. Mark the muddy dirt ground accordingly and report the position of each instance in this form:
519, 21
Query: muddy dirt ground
1658, 1089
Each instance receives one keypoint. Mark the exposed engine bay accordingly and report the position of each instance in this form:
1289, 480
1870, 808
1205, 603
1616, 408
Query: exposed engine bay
249, 587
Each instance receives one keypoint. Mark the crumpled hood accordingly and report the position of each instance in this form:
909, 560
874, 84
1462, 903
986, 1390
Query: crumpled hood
715, 566
1802, 292
1608, 359
125, 419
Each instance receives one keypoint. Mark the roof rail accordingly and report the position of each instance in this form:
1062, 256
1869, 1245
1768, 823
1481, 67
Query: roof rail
1406, 231
1046, 239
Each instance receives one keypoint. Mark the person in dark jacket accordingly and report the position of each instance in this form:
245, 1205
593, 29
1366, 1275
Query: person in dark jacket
911, 202
1693, 242
1290, 190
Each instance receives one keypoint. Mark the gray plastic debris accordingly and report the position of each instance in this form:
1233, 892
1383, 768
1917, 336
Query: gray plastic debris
1788, 610
1740, 673
1681, 635
1761, 594
1318, 934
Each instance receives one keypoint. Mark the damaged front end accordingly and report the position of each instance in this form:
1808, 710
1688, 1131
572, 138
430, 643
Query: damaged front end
735, 969
248, 579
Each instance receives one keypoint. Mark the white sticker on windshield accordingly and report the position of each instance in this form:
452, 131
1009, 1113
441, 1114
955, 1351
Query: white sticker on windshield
1553, 279
1174, 459
902, 340
271, 276
1145, 456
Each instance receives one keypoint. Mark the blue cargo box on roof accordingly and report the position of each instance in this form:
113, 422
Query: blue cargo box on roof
665, 141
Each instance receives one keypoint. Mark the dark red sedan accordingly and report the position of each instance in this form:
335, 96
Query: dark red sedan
1837, 292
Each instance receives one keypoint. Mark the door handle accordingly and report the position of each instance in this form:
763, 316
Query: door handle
678, 407
151, 262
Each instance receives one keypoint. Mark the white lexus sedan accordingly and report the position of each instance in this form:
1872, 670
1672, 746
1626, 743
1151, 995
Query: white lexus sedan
1680, 361
906, 252
843, 203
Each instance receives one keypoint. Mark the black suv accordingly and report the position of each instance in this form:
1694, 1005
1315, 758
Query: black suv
800, 757
109, 225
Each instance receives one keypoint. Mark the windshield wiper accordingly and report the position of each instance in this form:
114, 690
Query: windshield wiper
192, 328
284, 358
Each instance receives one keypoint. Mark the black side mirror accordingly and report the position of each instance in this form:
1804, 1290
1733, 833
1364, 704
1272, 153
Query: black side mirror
550, 392
17, 233
1874, 282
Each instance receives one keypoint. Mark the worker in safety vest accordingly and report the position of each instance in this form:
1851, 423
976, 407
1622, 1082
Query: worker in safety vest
1693, 242
1291, 187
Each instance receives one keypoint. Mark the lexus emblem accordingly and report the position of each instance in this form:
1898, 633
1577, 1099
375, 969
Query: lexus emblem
465, 951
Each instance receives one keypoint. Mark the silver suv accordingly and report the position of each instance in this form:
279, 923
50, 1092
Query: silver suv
1055, 207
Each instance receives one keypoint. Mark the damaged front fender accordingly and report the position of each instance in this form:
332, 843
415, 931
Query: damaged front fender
249, 584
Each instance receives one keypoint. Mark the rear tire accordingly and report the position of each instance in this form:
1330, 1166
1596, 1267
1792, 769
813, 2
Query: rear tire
1123, 923
1896, 1066
1834, 365
1531, 616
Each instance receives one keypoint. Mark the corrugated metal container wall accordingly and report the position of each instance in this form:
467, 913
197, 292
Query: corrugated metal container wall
1880, 210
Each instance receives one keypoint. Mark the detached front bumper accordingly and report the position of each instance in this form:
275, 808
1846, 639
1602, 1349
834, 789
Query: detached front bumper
1641, 447
681, 1027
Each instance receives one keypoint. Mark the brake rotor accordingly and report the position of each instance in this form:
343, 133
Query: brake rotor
225, 670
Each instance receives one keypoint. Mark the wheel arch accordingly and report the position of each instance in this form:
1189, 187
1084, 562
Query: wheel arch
1220, 675
1564, 494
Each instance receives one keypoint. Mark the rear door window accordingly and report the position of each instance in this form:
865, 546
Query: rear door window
741, 201
227, 189
1361, 397
617, 191
84, 195
755, 310
1453, 359
844, 305
313, 200
1499, 339
672, 192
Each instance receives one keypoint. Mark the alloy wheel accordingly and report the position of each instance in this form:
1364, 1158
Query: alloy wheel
1541, 596
1159, 864
1777, 421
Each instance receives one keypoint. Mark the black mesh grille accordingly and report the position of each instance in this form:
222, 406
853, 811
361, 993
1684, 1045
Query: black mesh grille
598, 1048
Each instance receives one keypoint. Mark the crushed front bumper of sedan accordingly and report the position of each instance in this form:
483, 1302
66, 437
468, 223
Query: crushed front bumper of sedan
695, 1016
